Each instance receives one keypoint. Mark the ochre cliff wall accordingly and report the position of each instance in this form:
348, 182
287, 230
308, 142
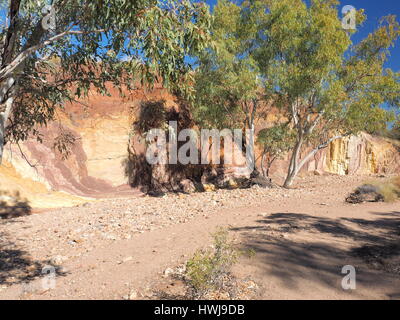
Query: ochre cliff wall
363, 154
98, 165
356, 155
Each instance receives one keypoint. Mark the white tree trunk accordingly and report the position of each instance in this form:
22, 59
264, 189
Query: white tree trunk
296, 166
3, 123
5, 110
293, 167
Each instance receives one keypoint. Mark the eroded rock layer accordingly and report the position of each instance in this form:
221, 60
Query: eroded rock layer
100, 165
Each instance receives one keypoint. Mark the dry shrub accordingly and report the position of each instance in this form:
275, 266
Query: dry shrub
209, 270
396, 182
152, 115
389, 189
375, 191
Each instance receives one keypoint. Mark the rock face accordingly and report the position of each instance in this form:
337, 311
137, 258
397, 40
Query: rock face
98, 165
355, 155
363, 155
107, 159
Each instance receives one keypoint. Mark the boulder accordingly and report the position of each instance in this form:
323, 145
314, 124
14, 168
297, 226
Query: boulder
209, 187
187, 186
365, 193
256, 179
261, 182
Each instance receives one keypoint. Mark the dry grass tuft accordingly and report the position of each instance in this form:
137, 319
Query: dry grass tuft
389, 189
375, 191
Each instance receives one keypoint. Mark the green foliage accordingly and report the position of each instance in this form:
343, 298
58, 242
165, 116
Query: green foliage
316, 73
227, 80
394, 133
299, 57
275, 142
207, 269
98, 44
152, 115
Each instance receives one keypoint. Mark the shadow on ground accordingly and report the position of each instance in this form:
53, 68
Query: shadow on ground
13, 206
16, 265
298, 247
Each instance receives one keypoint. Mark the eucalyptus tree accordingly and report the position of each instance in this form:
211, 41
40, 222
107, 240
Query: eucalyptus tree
275, 142
328, 86
228, 85
54, 52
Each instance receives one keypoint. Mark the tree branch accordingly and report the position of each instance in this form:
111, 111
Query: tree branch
7, 71
314, 151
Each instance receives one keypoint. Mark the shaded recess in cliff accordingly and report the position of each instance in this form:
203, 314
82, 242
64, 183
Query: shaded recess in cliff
158, 178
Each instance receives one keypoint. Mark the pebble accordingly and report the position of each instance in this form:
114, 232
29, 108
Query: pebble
168, 272
133, 295
58, 260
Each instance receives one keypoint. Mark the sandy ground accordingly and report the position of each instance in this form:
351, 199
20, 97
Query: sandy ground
302, 238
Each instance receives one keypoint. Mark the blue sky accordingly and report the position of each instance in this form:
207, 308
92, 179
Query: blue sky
374, 9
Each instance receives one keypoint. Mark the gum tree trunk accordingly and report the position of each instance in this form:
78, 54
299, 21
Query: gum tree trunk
294, 167
5, 110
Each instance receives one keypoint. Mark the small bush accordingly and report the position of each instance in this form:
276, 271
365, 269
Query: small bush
209, 269
389, 189
396, 182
